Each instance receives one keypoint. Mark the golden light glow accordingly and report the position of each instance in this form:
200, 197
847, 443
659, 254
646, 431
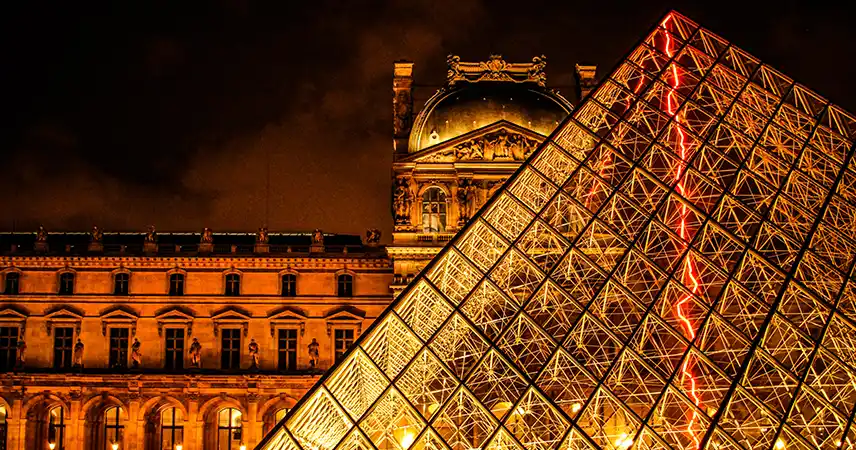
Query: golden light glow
407, 440
51, 445
653, 224
115, 445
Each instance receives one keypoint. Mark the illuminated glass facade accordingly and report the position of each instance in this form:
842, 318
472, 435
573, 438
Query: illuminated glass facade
672, 268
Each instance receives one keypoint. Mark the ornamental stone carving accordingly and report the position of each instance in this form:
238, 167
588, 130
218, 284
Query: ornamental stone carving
496, 69
466, 200
402, 199
497, 146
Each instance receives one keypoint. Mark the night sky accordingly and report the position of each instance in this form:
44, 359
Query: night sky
132, 113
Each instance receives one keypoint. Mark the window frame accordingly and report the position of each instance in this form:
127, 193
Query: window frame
62, 287
127, 283
176, 275
293, 284
9, 350
111, 364
118, 427
232, 284
230, 428
179, 352
348, 285
236, 350
70, 350
173, 427
335, 348
442, 214
280, 351
57, 428
16, 275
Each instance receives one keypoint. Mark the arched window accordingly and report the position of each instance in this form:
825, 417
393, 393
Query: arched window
120, 283
112, 428
56, 427
345, 285
12, 283
176, 284
172, 430
289, 285
233, 284
433, 210
229, 429
2, 427
66, 283
280, 414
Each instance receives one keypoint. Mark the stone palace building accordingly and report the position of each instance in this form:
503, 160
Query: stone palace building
202, 341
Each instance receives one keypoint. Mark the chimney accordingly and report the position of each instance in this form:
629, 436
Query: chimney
586, 80
402, 105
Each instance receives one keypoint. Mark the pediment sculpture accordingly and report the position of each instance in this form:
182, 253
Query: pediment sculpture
500, 145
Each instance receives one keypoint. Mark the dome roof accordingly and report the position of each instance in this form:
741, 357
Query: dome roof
452, 113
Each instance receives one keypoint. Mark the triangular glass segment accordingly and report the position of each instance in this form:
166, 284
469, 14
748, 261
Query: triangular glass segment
672, 268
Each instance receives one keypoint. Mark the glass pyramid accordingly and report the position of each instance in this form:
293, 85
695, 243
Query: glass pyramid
672, 268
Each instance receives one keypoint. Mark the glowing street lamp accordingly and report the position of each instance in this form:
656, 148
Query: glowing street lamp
51, 445
115, 446
178, 447
243, 447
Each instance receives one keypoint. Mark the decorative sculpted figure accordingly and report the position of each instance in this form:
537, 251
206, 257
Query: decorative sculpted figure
317, 237
372, 236
96, 235
454, 72
401, 202
151, 235
254, 354
41, 235
21, 354
77, 356
195, 354
466, 199
536, 71
401, 105
313, 354
136, 355
262, 236
207, 236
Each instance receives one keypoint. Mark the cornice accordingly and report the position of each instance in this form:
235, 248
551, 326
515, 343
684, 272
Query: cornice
131, 262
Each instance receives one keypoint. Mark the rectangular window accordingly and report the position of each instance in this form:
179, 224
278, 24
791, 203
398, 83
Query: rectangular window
174, 349
8, 347
287, 348
342, 342
119, 348
12, 284
233, 285
230, 354
289, 285
66, 284
345, 285
176, 284
120, 284
63, 347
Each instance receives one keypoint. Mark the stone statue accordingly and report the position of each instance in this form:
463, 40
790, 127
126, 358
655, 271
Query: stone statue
136, 355
77, 356
96, 236
401, 106
254, 354
536, 71
313, 354
401, 202
21, 354
317, 237
196, 354
207, 236
262, 236
151, 235
466, 197
41, 235
372, 236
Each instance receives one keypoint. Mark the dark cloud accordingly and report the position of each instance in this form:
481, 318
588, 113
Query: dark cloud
172, 113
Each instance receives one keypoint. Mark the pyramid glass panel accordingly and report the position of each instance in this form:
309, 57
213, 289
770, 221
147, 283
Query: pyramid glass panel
671, 268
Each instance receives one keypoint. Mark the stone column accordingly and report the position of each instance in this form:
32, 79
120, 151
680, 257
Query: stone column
17, 424
76, 432
195, 428
402, 105
133, 437
252, 426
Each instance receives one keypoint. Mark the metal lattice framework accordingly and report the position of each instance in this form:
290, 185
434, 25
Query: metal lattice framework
673, 268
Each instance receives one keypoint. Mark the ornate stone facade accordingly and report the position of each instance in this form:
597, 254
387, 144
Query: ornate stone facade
80, 311
463, 143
